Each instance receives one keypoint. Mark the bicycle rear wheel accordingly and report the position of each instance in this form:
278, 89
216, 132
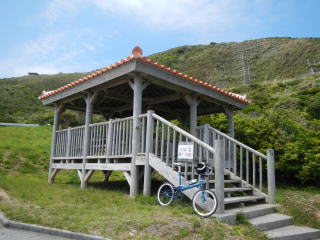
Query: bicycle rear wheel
204, 203
165, 194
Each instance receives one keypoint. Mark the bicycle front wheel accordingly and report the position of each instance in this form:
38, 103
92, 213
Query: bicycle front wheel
204, 203
165, 194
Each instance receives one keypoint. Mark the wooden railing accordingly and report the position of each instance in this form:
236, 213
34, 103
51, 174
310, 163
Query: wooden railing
121, 142
113, 139
242, 160
75, 142
98, 139
107, 139
61, 139
166, 138
143, 132
69, 142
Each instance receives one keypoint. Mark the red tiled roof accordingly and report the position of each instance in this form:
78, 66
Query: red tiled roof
137, 54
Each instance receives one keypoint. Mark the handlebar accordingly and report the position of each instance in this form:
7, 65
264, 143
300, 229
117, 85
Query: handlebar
208, 172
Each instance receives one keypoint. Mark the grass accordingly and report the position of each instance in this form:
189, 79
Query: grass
24, 149
101, 209
301, 202
108, 211
105, 208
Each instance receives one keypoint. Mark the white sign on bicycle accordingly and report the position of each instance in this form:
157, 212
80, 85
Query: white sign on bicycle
185, 150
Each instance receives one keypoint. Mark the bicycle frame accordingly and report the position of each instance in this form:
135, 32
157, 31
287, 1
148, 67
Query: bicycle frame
183, 188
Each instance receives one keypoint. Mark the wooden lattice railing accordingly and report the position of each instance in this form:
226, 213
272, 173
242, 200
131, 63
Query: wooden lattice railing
69, 143
113, 139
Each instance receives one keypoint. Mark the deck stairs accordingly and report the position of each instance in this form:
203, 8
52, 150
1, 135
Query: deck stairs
235, 191
265, 218
240, 197
245, 170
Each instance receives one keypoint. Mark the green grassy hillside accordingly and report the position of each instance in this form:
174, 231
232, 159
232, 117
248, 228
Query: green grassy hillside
285, 109
217, 63
223, 63
19, 97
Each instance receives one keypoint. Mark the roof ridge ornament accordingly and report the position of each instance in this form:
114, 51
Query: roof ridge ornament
137, 51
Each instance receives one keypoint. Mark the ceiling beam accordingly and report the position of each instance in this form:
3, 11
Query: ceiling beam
163, 99
169, 110
117, 97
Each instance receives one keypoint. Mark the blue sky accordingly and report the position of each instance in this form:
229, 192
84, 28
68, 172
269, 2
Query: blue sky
82, 35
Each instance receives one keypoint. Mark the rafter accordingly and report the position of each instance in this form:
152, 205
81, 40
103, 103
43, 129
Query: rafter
117, 97
163, 99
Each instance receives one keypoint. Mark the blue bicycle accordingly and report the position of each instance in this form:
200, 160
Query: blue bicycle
204, 202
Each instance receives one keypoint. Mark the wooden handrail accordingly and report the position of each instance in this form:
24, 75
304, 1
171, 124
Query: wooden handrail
237, 142
247, 157
188, 135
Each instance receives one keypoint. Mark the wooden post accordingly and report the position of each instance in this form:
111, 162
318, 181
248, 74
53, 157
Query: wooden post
219, 173
271, 176
89, 99
230, 114
206, 153
149, 147
193, 117
206, 140
68, 144
106, 175
109, 139
137, 103
57, 110
230, 123
193, 103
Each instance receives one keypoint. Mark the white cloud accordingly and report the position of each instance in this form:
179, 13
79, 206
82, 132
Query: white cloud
57, 9
179, 14
51, 53
169, 15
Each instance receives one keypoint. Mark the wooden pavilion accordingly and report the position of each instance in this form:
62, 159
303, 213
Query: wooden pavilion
138, 98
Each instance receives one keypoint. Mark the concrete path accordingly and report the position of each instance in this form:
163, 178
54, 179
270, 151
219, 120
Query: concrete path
17, 234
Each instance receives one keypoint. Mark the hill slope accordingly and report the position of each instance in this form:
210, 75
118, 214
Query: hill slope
19, 97
231, 64
223, 64
285, 109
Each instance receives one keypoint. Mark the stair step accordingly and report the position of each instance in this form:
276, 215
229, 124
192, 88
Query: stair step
196, 174
271, 221
227, 181
293, 233
235, 189
253, 211
231, 200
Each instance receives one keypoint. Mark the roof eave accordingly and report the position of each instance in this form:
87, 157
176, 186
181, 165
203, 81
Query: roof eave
104, 78
155, 72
